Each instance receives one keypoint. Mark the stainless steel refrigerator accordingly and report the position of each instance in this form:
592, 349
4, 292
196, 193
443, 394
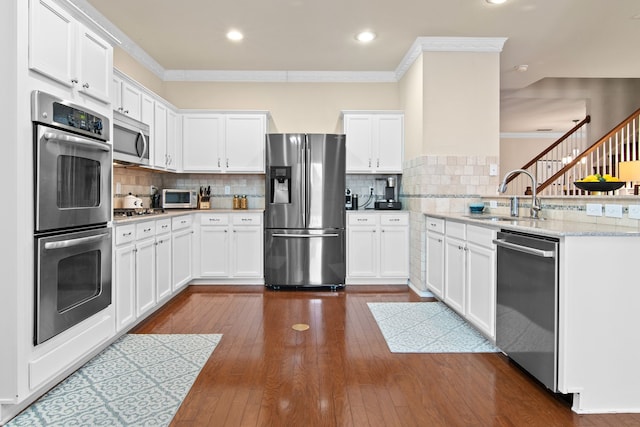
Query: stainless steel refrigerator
304, 241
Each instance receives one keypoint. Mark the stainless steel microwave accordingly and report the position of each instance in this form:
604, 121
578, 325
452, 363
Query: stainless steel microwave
179, 199
130, 140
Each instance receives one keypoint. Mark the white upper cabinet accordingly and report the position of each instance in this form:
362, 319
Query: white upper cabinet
375, 142
68, 53
202, 136
127, 98
244, 142
224, 142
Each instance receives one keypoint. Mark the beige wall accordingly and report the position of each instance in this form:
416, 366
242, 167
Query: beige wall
461, 103
294, 107
132, 68
515, 152
411, 99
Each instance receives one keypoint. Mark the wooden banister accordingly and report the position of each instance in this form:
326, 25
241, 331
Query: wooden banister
551, 147
589, 150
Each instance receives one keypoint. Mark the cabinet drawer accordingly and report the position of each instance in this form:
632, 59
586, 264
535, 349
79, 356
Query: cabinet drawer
125, 234
180, 222
435, 225
145, 229
363, 219
386, 219
455, 229
247, 219
482, 236
163, 226
214, 219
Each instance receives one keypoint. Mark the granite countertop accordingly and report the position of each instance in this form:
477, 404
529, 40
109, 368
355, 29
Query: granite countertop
547, 227
168, 213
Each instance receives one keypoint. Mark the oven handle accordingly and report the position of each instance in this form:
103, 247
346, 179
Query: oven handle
74, 242
52, 136
305, 236
525, 249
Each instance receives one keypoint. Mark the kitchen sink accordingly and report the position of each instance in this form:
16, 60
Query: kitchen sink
492, 217
503, 218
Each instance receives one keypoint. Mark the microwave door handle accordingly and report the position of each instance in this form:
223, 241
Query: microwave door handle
144, 145
53, 136
74, 242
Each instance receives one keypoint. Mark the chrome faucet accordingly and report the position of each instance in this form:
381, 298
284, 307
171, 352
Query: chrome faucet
535, 203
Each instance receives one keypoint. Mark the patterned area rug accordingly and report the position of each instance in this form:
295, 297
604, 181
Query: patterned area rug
427, 327
139, 380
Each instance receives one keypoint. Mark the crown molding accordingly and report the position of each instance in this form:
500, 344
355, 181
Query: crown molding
279, 76
95, 19
447, 44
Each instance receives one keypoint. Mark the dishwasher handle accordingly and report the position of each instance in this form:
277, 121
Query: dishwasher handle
526, 249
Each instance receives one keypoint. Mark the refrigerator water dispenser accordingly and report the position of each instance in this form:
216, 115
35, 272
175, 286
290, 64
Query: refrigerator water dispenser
281, 188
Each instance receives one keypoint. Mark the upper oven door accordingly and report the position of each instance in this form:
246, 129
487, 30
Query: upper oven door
72, 180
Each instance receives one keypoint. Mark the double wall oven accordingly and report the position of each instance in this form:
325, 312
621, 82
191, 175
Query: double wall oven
72, 201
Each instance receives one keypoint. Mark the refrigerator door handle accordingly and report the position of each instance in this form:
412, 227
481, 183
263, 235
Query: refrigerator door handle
305, 236
306, 174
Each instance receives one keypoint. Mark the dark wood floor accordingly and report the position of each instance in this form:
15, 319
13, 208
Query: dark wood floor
340, 371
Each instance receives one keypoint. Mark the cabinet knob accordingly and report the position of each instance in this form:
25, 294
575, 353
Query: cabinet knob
378, 163
86, 85
218, 161
125, 111
74, 81
369, 162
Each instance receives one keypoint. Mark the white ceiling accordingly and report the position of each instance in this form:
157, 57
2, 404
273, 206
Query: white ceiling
555, 38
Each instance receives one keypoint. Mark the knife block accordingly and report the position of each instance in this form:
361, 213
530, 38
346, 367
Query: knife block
203, 202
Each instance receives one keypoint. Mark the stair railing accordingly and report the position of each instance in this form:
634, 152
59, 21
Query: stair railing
618, 145
552, 159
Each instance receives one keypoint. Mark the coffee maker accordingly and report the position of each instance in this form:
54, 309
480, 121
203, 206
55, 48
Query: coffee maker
390, 201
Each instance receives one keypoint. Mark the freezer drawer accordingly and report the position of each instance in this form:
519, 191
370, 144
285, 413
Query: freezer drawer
304, 258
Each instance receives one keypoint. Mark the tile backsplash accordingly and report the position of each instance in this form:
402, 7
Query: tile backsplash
139, 181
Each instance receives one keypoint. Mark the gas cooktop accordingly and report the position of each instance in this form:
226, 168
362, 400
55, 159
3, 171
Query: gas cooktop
119, 213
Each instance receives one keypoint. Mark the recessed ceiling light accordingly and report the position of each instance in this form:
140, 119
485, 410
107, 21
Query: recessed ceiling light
365, 36
496, 1
235, 35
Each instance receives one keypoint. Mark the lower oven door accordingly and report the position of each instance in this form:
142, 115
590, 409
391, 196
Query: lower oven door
73, 180
73, 279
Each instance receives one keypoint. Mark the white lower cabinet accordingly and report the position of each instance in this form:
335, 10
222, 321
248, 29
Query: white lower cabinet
481, 279
377, 248
455, 257
182, 251
163, 259
231, 246
125, 275
461, 270
435, 256
145, 267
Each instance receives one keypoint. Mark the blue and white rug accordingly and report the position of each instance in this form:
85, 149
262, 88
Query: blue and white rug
139, 380
427, 327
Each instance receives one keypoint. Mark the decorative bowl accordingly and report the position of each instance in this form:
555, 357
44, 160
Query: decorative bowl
599, 186
476, 207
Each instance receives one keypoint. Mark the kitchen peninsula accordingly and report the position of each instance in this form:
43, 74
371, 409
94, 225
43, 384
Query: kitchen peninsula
597, 300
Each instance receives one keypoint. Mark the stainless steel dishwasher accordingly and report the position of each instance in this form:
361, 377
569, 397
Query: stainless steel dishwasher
527, 303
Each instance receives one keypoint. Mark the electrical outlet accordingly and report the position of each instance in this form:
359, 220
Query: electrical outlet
634, 211
227, 189
594, 209
613, 211
493, 204
493, 169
